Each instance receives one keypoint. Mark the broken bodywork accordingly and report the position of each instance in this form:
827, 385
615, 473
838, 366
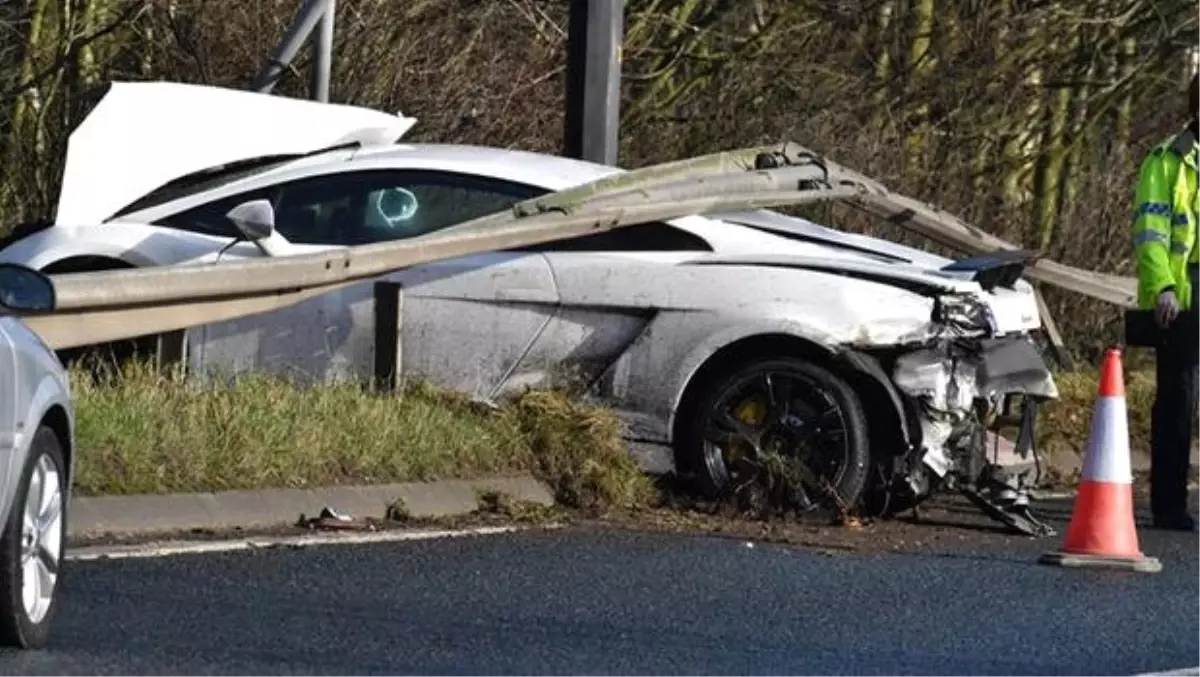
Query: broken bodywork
973, 367
945, 385
953, 389
959, 389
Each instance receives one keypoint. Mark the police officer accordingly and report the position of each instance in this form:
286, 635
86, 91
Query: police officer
1166, 248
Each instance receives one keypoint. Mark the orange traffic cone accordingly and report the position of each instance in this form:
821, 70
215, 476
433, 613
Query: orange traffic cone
1101, 532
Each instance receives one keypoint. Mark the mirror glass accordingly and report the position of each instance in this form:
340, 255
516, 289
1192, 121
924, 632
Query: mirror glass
25, 289
256, 219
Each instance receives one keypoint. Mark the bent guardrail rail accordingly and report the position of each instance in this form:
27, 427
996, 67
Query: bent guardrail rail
949, 230
870, 196
97, 307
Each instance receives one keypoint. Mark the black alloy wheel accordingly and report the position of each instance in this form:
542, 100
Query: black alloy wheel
781, 419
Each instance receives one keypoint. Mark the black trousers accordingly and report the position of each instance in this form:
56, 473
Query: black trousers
1176, 363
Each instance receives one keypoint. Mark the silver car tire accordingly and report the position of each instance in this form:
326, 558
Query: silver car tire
32, 547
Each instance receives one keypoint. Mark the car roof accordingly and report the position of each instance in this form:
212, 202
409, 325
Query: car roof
543, 170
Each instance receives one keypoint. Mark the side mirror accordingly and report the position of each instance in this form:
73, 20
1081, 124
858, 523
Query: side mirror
25, 290
256, 219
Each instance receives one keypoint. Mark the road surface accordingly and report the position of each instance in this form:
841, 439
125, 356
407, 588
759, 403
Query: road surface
582, 600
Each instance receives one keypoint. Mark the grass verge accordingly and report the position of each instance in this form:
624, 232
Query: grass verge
146, 432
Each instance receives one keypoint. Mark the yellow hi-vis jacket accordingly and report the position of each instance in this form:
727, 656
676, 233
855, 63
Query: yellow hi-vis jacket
1164, 229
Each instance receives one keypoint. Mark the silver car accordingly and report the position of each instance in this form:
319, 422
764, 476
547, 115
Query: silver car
37, 433
721, 340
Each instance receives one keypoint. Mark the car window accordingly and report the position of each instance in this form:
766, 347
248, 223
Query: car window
209, 219
372, 206
363, 207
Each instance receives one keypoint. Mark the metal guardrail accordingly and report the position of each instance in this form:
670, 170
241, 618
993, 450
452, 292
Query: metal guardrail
870, 196
97, 307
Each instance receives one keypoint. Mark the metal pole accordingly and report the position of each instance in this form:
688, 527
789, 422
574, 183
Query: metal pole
281, 58
594, 80
323, 53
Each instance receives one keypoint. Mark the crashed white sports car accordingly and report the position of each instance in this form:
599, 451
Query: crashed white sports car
717, 338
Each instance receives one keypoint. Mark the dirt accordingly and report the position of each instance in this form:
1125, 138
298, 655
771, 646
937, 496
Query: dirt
945, 523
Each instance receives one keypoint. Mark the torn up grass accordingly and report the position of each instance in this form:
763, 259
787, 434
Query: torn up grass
146, 432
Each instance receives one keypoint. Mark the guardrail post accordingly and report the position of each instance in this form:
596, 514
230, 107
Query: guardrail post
171, 349
388, 302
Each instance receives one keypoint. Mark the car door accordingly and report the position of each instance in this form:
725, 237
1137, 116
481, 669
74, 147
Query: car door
464, 322
609, 289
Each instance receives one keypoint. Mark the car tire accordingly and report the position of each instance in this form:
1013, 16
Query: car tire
22, 625
816, 382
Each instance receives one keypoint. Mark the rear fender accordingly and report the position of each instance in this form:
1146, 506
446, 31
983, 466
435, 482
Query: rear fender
735, 342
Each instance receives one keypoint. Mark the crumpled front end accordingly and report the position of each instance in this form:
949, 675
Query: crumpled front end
964, 383
960, 388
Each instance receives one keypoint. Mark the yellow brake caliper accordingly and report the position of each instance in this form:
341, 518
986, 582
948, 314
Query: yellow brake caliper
751, 411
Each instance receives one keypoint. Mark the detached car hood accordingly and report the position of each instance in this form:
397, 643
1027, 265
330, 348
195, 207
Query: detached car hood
141, 135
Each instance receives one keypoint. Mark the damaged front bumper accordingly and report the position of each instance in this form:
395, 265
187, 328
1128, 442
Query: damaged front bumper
959, 388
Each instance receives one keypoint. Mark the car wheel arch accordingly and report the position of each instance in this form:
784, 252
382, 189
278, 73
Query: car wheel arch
57, 420
886, 416
47, 409
50, 406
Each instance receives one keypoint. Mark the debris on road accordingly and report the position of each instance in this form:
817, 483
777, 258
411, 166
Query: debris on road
330, 520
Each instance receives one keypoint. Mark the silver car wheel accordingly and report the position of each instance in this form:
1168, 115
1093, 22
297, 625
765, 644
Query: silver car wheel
41, 539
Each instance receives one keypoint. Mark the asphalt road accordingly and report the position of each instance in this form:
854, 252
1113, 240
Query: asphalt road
592, 601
